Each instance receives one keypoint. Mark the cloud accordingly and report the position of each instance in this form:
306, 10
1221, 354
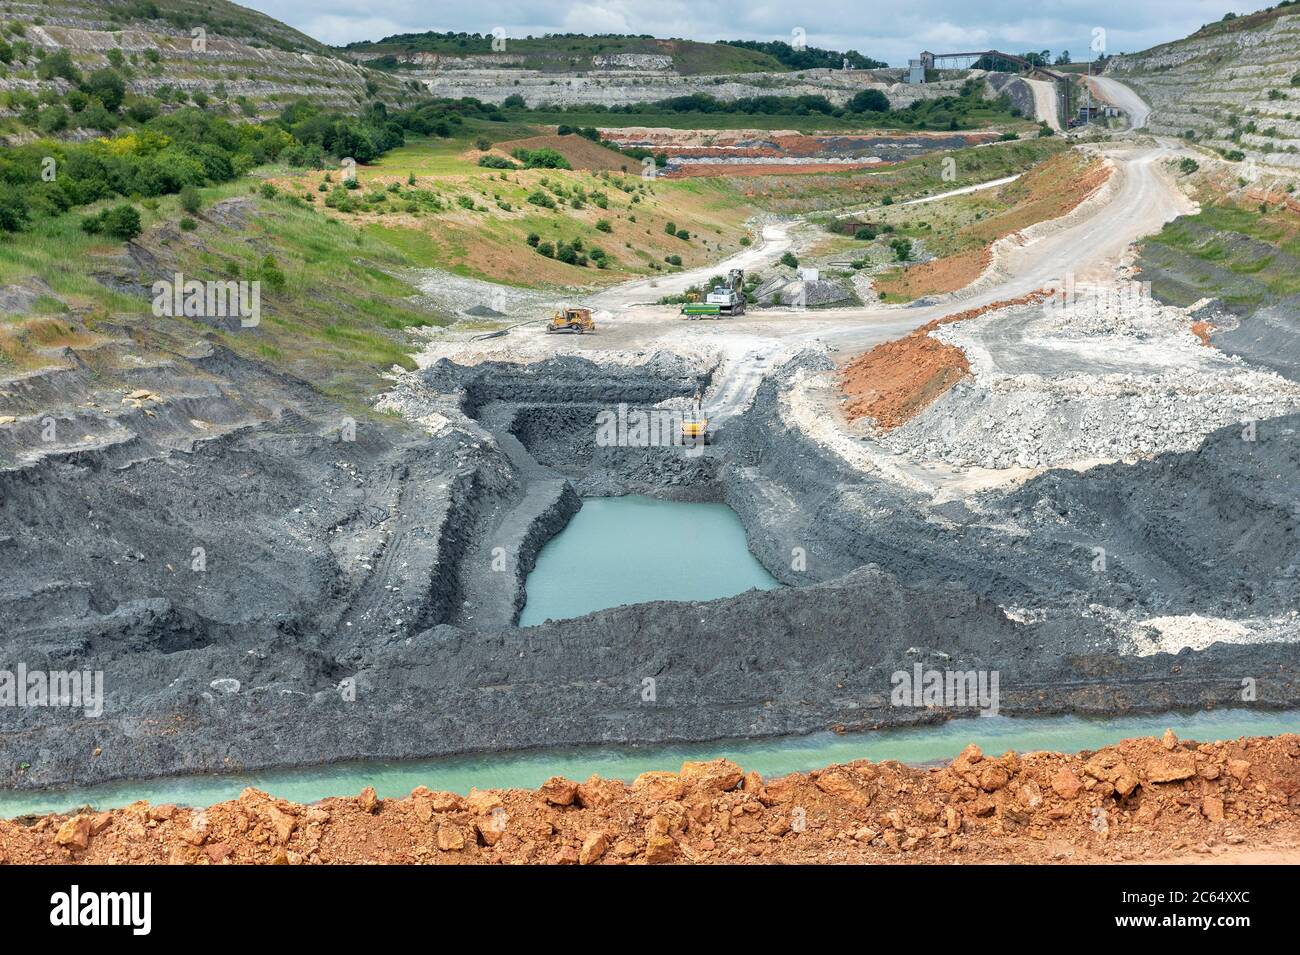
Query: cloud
337, 30
893, 35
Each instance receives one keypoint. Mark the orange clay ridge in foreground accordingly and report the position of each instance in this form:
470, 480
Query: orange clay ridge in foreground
899, 379
1141, 800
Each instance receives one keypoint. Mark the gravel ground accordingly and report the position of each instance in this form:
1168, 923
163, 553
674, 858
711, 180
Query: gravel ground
1113, 376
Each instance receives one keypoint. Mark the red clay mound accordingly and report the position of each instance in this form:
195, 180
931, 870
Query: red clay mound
898, 380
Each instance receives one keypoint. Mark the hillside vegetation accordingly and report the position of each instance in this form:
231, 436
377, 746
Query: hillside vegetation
967, 108
923, 176
959, 232
1233, 86
203, 52
577, 52
440, 202
1241, 252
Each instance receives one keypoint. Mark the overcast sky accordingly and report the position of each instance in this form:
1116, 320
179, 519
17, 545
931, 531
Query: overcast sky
886, 31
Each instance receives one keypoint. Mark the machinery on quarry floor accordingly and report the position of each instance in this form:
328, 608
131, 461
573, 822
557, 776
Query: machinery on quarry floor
695, 427
573, 320
722, 300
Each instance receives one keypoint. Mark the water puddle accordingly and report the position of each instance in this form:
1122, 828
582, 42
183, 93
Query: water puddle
627, 550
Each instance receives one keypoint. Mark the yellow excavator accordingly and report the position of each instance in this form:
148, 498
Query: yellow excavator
571, 319
695, 427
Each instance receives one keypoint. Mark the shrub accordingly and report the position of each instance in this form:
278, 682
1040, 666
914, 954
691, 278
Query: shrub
670, 228
673, 259
539, 198
546, 249
340, 199
53, 119
13, 209
602, 225
534, 239
96, 117
1188, 164
142, 110
869, 101
864, 234
191, 202
789, 260
541, 159
496, 162
58, 64
188, 224
902, 248
107, 87
119, 222
269, 272
746, 240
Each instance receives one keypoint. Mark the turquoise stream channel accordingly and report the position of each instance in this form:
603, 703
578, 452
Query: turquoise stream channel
770, 757
630, 550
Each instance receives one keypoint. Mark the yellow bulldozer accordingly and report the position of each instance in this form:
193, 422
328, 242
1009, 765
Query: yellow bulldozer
572, 320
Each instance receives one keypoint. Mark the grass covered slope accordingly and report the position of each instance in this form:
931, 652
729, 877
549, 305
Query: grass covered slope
432, 200
1238, 261
1242, 255
334, 309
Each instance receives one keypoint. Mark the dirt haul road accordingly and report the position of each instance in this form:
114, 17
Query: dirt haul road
1122, 96
775, 242
1045, 103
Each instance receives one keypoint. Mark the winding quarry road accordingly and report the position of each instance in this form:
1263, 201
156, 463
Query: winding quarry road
1086, 246
1045, 103
1113, 91
1089, 247
775, 242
